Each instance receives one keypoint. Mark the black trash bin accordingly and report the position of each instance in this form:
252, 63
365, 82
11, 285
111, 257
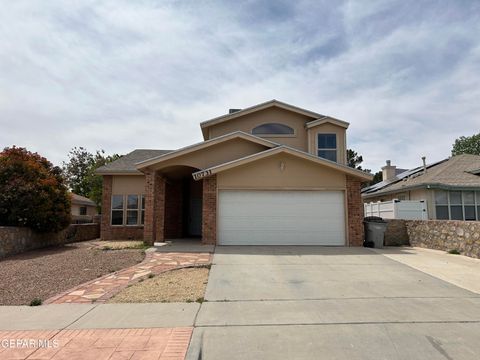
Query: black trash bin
375, 228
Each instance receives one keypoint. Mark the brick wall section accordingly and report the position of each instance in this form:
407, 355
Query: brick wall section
148, 228
355, 212
105, 227
463, 236
109, 232
209, 210
154, 207
126, 233
173, 210
159, 207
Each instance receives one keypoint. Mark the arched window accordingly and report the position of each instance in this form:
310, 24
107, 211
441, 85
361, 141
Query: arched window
273, 129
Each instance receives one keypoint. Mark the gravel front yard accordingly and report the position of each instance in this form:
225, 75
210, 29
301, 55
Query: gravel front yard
183, 285
47, 272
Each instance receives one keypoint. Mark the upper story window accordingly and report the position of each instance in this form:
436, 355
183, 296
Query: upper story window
327, 146
273, 129
83, 210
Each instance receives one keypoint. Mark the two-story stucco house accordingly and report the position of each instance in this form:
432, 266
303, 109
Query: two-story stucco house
270, 174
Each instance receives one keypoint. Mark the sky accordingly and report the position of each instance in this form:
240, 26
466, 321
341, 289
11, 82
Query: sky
119, 75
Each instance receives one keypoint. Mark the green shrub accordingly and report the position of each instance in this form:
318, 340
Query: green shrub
454, 252
36, 302
32, 192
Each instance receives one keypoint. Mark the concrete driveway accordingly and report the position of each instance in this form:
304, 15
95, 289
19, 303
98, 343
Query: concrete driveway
332, 303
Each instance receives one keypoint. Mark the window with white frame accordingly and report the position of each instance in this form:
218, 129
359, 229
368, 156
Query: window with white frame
132, 209
327, 146
457, 205
128, 209
117, 209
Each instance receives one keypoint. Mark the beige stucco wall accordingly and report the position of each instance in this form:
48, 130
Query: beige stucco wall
271, 115
91, 210
267, 174
214, 155
128, 184
328, 128
429, 196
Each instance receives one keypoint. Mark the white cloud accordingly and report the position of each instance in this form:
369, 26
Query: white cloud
120, 75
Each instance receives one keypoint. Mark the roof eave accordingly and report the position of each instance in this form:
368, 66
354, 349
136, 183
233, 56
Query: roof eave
245, 160
119, 172
205, 144
429, 186
222, 118
327, 119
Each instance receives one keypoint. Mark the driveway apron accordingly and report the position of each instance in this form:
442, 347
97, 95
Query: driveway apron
325, 302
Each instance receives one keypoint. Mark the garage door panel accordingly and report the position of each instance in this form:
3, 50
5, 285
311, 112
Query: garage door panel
273, 223
281, 218
268, 238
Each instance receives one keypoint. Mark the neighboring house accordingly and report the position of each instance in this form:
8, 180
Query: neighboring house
451, 187
83, 209
268, 174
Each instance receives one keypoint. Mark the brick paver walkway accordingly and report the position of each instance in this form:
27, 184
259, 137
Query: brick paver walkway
96, 344
103, 288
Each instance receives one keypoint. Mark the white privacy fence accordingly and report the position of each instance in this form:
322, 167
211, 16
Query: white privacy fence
398, 209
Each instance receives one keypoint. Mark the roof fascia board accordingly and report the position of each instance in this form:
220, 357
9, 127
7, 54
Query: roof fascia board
258, 107
119, 172
205, 144
327, 119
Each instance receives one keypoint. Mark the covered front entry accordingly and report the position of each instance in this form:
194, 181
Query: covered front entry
183, 204
248, 217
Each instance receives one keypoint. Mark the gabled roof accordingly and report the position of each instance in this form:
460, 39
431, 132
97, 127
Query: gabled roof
279, 150
272, 103
327, 119
126, 164
82, 200
205, 144
457, 172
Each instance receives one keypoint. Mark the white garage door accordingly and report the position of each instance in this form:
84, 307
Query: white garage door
281, 218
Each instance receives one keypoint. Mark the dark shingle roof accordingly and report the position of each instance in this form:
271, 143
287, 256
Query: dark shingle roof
126, 164
455, 172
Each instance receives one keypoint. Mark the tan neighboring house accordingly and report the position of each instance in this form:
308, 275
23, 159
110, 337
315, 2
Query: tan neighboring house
83, 209
270, 174
450, 188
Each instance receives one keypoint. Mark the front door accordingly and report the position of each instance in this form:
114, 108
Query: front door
195, 217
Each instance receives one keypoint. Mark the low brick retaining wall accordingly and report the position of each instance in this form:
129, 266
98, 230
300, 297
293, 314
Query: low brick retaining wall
15, 240
463, 236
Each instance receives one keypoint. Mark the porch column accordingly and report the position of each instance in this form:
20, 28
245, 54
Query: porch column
209, 210
153, 229
355, 212
105, 227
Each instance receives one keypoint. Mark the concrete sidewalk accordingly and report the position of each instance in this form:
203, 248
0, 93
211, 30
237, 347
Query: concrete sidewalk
101, 316
97, 332
462, 271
